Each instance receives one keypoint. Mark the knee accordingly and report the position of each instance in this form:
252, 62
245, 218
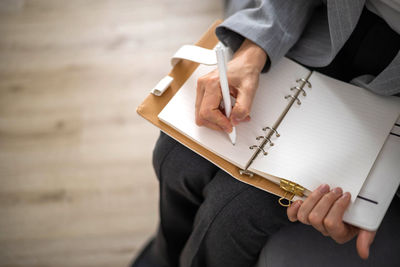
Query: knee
243, 211
180, 169
163, 147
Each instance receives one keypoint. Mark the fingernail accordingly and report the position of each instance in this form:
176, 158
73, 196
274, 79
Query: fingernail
296, 204
337, 191
346, 195
228, 130
323, 189
236, 120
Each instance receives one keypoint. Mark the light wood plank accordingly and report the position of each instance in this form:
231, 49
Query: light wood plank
76, 182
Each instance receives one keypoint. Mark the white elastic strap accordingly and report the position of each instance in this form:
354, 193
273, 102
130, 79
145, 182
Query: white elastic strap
192, 53
196, 54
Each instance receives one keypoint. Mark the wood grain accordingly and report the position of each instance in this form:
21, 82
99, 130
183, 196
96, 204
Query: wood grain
76, 183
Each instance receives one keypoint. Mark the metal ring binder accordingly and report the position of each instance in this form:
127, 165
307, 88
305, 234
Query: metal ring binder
265, 138
269, 140
299, 89
295, 98
272, 129
291, 189
260, 137
259, 148
304, 81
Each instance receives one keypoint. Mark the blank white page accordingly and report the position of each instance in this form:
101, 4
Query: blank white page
333, 137
267, 106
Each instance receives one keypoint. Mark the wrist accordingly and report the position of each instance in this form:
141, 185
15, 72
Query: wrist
251, 53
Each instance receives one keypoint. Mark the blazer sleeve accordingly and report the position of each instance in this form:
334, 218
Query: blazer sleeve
274, 25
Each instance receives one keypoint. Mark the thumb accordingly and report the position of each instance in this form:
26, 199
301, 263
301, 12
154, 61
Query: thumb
364, 241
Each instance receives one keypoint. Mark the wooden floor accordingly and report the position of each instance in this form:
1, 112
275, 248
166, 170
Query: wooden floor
76, 182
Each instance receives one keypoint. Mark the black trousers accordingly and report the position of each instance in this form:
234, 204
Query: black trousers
207, 218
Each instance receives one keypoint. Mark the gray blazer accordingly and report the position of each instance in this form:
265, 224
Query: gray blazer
279, 27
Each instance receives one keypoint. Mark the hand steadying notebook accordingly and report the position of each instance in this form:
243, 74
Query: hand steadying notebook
333, 137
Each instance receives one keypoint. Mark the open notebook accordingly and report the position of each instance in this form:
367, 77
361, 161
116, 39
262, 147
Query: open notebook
334, 136
377, 192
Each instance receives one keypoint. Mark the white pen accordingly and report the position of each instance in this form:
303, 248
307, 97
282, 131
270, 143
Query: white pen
223, 80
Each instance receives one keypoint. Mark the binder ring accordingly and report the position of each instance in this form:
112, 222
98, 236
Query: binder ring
299, 89
266, 138
270, 143
272, 129
295, 98
305, 81
259, 148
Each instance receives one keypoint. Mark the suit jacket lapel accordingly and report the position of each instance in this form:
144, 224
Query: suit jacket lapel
343, 16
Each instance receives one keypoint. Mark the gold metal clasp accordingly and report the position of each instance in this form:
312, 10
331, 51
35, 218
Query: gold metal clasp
291, 190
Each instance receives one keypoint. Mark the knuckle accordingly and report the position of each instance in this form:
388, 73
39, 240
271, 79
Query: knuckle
245, 110
213, 79
242, 111
329, 224
204, 114
314, 218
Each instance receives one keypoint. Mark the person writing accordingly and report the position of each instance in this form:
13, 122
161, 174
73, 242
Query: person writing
209, 219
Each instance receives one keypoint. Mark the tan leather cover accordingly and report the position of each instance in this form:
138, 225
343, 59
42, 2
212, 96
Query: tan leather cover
152, 106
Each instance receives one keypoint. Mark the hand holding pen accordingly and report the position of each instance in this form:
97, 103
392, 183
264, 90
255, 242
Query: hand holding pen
223, 81
242, 75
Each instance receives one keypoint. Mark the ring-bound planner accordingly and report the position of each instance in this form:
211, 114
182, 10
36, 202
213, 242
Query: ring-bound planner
306, 129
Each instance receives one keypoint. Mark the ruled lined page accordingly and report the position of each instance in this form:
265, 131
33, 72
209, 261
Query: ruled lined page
333, 137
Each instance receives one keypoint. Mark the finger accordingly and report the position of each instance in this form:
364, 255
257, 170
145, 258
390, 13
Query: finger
364, 241
215, 120
209, 109
293, 209
242, 107
310, 202
199, 98
236, 122
321, 209
334, 224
